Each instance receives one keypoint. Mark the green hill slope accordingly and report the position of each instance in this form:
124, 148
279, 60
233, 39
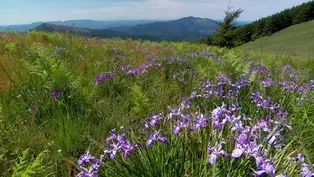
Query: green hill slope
297, 40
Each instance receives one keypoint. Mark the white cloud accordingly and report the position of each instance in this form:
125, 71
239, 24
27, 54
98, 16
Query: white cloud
154, 9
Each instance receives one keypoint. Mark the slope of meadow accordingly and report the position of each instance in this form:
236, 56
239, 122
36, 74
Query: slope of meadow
296, 41
150, 109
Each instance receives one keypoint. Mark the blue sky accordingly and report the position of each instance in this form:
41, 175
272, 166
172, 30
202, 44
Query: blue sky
27, 11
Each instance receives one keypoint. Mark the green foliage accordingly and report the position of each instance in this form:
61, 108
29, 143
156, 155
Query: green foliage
139, 101
225, 36
268, 25
84, 114
303, 13
207, 41
31, 167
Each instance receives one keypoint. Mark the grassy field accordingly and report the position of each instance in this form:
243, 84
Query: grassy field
297, 40
76, 106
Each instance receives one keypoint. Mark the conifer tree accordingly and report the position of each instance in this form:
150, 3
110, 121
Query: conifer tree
225, 35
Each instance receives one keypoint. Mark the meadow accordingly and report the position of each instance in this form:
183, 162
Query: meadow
292, 41
78, 106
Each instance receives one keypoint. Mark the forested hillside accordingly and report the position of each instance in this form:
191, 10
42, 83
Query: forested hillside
274, 23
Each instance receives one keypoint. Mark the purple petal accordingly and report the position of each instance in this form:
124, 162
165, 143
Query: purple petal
176, 131
260, 173
306, 170
149, 143
217, 124
301, 157
285, 174
163, 139
237, 153
153, 123
213, 159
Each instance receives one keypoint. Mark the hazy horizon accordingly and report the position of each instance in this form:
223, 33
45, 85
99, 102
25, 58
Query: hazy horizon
17, 12
120, 20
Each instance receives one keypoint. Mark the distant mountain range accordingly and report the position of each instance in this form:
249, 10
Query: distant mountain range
21, 28
185, 29
81, 31
91, 24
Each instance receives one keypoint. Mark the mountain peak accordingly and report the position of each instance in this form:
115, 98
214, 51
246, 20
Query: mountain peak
190, 17
60, 28
193, 18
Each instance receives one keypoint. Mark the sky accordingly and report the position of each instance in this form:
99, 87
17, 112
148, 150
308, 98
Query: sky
28, 11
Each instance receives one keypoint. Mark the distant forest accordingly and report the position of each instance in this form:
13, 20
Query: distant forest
274, 23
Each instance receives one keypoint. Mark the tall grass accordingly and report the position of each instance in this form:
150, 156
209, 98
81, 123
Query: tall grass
52, 131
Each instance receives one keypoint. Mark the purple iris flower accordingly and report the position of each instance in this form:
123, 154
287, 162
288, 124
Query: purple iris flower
255, 150
56, 94
282, 113
290, 86
201, 122
215, 153
237, 153
287, 68
117, 143
133, 71
224, 79
267, 82
237, 126
183, 122
177, 130
111, 154
265, 103
242, 145
263, 125
155, 137
274, 107
174, 112
242, 82
185, 104
112, 137
220, 92
255, 132
218, 116
306, 170
259, 101
235, 107
263, 70
301, 158
89, 165
103, 77
301, 90
207, 85
154, 119
257, 96
193, 95
276, 139
264, 167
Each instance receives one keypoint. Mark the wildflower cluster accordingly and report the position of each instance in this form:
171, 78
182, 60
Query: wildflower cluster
252, 137
103, 77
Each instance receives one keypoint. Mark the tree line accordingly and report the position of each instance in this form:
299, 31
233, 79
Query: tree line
230, 36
